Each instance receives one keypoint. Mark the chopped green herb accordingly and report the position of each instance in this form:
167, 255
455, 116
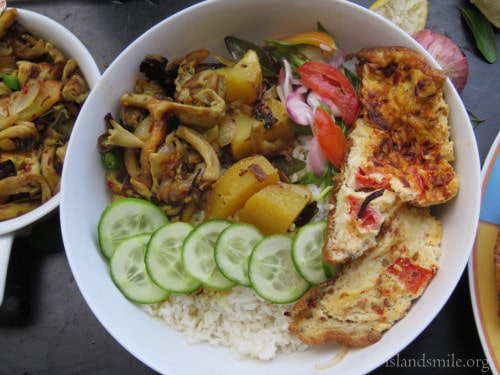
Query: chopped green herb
325, 181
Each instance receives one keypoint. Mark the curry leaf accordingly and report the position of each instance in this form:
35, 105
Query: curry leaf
238, 47
482, 32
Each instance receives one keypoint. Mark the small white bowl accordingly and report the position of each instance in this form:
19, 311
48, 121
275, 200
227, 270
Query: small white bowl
49, 30
84, 193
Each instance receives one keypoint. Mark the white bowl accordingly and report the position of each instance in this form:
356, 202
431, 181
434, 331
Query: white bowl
84, 194
47, 29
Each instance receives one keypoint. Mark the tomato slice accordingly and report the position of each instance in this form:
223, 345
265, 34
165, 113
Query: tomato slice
369, 219
329, 81
331, 139
367, 181
412, 276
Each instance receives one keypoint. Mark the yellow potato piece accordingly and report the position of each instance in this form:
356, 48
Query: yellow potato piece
242, 180
281, 129
244, 80
242, 144
274, 208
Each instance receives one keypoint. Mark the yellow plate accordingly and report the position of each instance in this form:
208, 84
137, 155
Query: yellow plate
482, 279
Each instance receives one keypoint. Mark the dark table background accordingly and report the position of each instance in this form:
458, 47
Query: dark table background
45, 325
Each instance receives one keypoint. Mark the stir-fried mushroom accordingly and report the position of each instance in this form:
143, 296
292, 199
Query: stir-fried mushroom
156, 68
211, 172
180, 167
41, 91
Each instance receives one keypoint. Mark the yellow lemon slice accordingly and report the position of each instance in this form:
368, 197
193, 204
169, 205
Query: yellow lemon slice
410, 15
490, 9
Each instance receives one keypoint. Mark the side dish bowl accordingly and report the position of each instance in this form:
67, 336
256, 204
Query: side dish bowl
84, 194
49, 30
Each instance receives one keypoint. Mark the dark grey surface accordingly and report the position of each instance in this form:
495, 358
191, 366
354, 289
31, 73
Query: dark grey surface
45, 325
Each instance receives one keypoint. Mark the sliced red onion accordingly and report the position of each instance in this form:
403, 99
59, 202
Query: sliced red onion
314, 99
298, 110
285, 79
316, 158
447, 54
337, 59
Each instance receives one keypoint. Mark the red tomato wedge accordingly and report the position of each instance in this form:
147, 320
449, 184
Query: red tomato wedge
412, 276
331, 139
329, 81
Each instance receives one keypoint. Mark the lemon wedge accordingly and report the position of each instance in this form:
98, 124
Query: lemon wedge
490, 9
409, 15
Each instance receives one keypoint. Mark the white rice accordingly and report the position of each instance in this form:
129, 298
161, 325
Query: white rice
237, 319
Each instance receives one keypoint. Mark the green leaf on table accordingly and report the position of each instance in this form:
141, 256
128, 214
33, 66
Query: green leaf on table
476, 121
482, 32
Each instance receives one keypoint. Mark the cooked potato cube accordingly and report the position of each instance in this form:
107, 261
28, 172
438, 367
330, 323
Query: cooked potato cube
244, 80
274, 208
281, 129
238, 183
241, 145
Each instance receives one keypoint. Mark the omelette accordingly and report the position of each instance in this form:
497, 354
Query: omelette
400, 150
398, 164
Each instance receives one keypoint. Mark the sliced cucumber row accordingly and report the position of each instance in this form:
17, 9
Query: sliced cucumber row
179, 258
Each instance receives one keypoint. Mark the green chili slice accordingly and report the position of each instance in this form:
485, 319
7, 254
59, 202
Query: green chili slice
111, 160
482, 32
12, 82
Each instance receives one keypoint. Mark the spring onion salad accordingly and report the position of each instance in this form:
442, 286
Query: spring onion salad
220, 174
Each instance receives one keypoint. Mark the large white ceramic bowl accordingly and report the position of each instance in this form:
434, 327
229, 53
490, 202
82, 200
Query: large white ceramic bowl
49, 30
84, 194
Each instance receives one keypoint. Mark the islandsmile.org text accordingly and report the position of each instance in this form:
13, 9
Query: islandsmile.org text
450, 361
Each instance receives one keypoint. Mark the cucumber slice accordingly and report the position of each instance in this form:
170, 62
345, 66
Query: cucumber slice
306, 252
233, 249
198, 254
127, 217
128, 271
272, 273
164, 259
